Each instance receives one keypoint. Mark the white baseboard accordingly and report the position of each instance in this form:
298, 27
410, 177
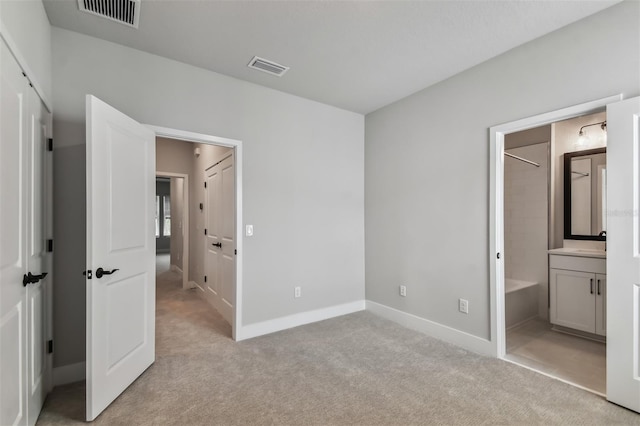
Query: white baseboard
433, 329
291, 321
175, 268
69, 373
193, 284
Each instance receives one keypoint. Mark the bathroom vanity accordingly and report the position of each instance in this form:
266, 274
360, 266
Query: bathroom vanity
578, 290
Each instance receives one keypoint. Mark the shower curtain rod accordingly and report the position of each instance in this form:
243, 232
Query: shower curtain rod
522, 159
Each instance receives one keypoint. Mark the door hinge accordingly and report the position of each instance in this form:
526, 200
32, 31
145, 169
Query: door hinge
205, 231
50, 347
201, 206
235, 251
205, 184
205, 278
50, 144
49, 246
87, 274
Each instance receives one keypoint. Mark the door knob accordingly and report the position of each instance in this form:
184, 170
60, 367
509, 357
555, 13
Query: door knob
100, 272
217, 245
29, 278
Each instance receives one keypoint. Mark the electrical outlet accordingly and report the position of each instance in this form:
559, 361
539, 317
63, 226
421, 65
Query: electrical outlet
297, 292
403, 290
463, 306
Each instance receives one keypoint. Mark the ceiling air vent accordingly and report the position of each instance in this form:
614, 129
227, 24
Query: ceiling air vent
126, 12
270, 67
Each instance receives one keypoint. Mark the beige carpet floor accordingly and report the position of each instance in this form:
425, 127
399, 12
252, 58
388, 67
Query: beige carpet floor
356, 369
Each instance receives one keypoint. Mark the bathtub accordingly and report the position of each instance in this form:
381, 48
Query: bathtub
521, 301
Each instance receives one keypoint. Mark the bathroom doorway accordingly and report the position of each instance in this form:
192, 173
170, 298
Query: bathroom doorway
555, 280
575, 261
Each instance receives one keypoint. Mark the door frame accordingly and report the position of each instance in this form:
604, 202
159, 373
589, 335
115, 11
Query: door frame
184, 135
496, 206
185, 224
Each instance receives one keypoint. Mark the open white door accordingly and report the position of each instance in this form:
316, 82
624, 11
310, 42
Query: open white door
120, 253
220, 228
623, 254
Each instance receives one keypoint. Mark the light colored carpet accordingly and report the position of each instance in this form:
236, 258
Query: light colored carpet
356, 369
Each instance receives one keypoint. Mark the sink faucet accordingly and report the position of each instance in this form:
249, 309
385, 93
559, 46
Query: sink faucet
604, 234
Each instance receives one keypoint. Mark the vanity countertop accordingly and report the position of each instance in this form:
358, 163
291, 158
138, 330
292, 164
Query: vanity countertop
566, 251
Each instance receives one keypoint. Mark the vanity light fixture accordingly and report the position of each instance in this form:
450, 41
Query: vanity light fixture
583, 138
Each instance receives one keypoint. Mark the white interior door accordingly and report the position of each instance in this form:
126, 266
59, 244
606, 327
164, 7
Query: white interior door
13, 264
623, 253
220, 236
36, 258
120, 253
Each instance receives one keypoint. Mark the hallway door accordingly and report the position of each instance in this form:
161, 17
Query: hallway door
120, 253
623, 253
220, 227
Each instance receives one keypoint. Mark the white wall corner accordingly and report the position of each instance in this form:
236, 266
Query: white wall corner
442, 332
69, 373
295, 320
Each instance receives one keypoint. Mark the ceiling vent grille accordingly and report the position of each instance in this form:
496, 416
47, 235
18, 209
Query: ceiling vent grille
126, 12
267, 66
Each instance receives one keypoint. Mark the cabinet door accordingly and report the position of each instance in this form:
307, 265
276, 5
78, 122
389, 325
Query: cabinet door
601, 304
573, 299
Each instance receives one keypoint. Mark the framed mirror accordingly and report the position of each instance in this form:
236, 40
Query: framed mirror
585, 206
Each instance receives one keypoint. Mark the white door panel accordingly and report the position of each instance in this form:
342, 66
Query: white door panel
121, 240
623, 253
36, 258
212, 235
220, 240
227, 216
13, 140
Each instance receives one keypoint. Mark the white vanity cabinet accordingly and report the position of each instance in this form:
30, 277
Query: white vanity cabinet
578, 289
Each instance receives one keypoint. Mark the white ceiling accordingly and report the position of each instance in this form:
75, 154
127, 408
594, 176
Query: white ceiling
355, 55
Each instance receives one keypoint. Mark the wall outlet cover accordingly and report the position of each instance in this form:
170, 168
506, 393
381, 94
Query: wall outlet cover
463, 306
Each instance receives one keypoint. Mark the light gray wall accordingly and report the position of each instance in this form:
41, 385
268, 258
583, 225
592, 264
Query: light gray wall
526, 219
174, 156
427, 162
177, 221
527, 137
564, 136
303, 176
28, 26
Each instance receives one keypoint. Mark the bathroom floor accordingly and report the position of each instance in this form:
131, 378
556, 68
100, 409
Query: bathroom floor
574, 359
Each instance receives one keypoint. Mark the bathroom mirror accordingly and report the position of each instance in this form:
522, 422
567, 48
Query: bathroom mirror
585, 207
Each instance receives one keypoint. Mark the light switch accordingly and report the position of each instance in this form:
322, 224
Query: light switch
249, 231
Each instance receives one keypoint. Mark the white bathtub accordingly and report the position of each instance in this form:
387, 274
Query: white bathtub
521, 301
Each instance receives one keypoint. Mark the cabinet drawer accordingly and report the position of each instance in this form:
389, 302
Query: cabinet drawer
576, 263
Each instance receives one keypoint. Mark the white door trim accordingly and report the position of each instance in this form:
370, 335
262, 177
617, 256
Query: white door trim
496, 204
185, 224
169, 133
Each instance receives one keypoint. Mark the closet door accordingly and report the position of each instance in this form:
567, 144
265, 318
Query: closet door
36, 256
24, 291
13, 263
